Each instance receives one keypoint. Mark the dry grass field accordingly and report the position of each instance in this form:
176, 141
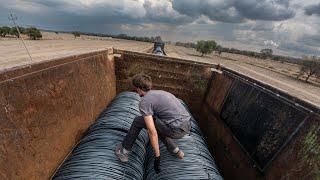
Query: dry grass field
278, 74
275, 73
55, 45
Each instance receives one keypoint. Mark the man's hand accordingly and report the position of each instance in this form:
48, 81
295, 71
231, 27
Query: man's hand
153, 135
156, 165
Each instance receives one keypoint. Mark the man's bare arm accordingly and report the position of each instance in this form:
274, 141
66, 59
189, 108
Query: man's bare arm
152, 134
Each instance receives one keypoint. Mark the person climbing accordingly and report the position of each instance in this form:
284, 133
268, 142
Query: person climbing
162, 115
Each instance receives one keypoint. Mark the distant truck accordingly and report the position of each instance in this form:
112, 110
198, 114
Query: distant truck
158, 48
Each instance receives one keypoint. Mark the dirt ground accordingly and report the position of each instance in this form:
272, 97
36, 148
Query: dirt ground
277, 74
274, 73
13, 53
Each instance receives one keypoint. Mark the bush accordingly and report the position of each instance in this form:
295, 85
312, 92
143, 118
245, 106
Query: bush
187, 45
4, 31
76, 34
309, 66
266, 53
219, 49
206, 47
252, 54
14, 32
158, 39
33, 33
22, 30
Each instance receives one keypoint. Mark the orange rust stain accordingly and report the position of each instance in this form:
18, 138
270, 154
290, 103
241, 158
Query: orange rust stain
46, 112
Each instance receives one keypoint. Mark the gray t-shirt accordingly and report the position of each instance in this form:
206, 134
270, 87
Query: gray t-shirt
166, 107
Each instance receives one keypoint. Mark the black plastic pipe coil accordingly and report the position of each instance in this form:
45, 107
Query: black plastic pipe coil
94, 157
196, 164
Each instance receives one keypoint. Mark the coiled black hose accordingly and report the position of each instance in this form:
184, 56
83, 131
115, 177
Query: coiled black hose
197, 163
94, 157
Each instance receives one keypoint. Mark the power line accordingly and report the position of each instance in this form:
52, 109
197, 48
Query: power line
13, 18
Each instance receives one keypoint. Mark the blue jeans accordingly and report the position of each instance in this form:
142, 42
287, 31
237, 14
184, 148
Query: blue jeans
165, 133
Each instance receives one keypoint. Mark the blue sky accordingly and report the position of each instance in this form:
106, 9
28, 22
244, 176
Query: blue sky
289, 27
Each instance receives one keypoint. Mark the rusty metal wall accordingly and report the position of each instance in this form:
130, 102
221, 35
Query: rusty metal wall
46, 107
256, 131
248, 125
186, 79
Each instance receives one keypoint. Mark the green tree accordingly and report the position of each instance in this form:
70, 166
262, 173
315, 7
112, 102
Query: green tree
22, 30
266, 53
158, 39
76, 34
219, 49
309, 66
152, 39
4, 31
33, 33
14, 32
123, 36
252, 54
187, 45
206, 47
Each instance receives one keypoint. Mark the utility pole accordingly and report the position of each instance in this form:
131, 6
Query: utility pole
13, 18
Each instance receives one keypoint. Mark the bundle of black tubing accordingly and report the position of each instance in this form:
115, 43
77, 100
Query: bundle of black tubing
94, 158
197, 163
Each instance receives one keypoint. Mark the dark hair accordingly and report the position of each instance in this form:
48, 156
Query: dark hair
142, 81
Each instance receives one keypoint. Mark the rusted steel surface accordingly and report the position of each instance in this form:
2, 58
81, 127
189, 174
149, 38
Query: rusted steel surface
301, 158
253, 130
26, 69
232, 161
260, 121
218, 91
300, 103
187, 80
257, 132
45, 109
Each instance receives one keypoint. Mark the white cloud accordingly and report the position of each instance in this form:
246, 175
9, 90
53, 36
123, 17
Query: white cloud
277, 23
163, 12
203, 20
131, 8
24, 6
271, 43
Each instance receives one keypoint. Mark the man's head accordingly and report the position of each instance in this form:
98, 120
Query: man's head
142, 84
